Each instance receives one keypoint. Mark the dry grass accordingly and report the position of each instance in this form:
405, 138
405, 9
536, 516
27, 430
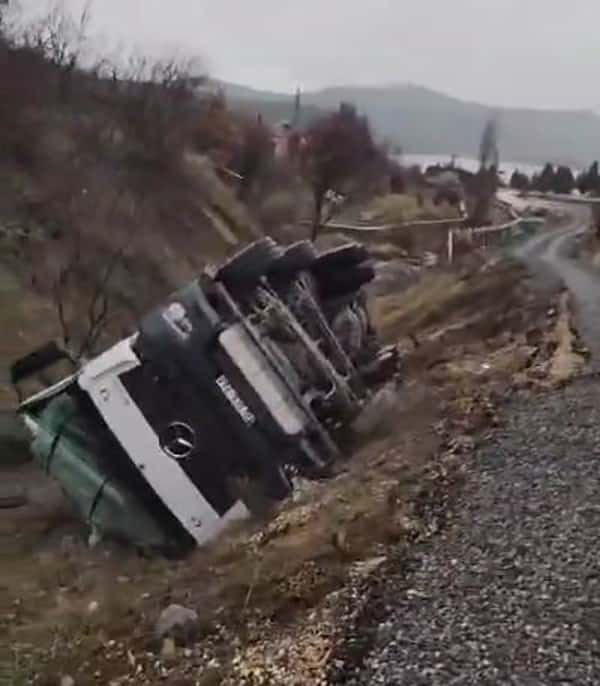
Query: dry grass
481, 297
401, 209
425, 302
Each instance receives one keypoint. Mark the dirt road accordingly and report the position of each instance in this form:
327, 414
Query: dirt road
509, 592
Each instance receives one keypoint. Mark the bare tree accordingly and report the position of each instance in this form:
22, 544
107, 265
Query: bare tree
92, 317
125, 129
61, 40
339, 147
158, 108
76, 271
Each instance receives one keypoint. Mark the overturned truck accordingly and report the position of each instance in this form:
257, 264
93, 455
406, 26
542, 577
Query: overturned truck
245, 376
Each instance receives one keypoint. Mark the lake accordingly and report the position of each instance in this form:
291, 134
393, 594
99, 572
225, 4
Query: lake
469, 163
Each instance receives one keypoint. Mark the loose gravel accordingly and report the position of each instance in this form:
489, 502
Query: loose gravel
509, 592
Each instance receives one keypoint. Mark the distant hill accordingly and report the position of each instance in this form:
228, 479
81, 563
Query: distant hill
274, 107
424, 121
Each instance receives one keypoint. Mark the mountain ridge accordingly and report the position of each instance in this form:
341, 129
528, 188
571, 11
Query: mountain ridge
422, 120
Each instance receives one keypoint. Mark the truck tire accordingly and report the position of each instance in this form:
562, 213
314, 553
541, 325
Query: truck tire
345, 256
245, 269
298, 257
339, 283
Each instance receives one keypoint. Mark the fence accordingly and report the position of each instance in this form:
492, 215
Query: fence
444, 237
501, 236
561, 197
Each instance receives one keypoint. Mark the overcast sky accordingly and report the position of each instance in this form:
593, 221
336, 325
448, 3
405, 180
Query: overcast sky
537, 53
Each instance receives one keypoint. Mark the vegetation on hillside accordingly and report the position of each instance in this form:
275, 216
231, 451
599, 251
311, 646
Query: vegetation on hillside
109, 193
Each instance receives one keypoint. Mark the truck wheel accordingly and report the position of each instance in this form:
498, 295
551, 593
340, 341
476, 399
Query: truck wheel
298, 257
247, 267
340, 283
345, 256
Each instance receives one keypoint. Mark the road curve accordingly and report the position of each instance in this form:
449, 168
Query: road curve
554, 252
508, 593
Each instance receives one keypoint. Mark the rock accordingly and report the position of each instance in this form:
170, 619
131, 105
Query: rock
179, 623
93, 607
66, 680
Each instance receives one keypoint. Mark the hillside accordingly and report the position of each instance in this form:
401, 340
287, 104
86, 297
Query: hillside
109, 200
424, 121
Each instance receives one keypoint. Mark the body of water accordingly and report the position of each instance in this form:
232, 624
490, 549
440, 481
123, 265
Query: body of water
469, 163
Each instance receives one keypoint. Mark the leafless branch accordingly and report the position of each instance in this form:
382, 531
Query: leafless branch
98, 309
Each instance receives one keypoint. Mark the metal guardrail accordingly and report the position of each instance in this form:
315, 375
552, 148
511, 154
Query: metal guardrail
517, 230
561, 197
495, 227
426, 223
518, 227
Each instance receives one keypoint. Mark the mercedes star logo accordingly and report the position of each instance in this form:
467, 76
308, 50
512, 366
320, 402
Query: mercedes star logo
179, 440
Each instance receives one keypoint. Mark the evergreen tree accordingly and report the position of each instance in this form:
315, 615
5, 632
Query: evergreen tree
564, 181
519, 181
545, 182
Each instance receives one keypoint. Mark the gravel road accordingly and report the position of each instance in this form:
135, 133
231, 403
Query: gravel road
552, 255
509, 592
